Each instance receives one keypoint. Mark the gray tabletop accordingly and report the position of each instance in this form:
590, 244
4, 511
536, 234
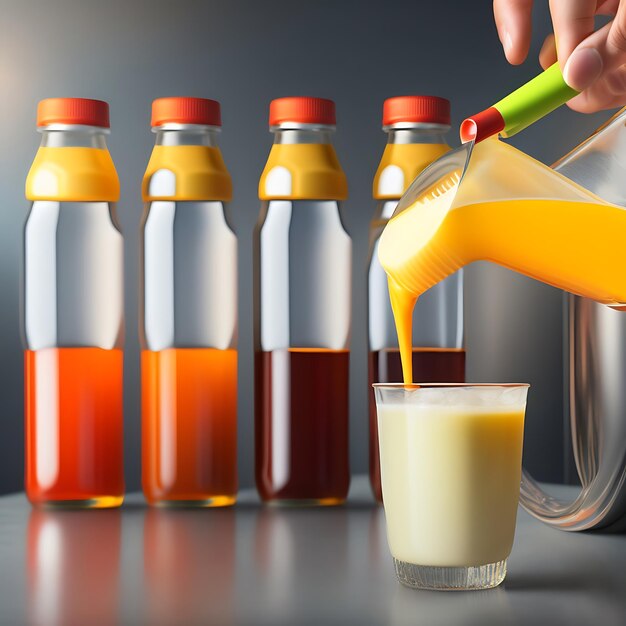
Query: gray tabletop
263, 565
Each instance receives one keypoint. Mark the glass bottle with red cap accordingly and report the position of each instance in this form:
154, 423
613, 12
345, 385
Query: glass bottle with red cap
73, 325
416, 127
188, 319
302, 311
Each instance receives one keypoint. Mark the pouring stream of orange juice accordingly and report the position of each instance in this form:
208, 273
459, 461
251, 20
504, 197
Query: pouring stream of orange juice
502, 206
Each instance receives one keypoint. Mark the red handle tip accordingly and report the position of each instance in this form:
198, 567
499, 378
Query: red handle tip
482, 125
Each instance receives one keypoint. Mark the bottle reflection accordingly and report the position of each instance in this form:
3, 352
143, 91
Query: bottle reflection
290, 560
73, 566
189, 566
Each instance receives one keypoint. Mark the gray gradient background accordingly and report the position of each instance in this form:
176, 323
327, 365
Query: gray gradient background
244, 54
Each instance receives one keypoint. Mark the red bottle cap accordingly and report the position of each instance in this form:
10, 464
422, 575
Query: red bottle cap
422, 109
186, 111
302, 110
73, 111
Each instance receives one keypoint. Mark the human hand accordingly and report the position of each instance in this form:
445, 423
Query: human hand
592, 62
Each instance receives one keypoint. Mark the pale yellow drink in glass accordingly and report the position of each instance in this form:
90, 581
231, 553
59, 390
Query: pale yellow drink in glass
451, 459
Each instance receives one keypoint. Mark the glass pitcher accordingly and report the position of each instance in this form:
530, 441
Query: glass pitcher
492, 202
595, 364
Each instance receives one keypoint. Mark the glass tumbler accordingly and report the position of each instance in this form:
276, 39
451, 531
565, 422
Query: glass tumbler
451, 463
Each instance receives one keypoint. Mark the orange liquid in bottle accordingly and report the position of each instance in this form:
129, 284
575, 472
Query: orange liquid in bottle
189, 408
302, 425
74, 426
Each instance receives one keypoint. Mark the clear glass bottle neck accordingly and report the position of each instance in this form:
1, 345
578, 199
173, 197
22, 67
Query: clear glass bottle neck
73, 136
186, 135
302, 133
417, 133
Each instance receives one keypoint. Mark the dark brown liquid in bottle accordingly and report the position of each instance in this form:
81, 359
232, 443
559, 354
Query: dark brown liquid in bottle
430, 365
301, 425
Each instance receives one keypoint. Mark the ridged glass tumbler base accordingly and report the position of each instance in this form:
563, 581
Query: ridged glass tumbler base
450, 578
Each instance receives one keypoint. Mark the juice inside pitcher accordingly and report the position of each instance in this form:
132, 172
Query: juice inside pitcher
507, 208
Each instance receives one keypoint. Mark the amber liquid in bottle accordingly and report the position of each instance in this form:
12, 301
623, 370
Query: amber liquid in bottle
430, 365
189, 412
302, 425
74, 426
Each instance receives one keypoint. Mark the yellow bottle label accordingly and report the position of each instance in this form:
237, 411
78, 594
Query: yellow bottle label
73, 174
303, 172
401, 164
186, 173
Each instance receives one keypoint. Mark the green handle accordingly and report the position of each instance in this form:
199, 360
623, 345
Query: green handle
532, 101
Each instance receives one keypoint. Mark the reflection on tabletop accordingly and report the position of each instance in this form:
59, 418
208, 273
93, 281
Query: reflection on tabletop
288, 556
254, 564
75, 574
189, 565
73, 566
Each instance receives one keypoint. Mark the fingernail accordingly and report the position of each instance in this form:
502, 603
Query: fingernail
507, 42
582, 68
